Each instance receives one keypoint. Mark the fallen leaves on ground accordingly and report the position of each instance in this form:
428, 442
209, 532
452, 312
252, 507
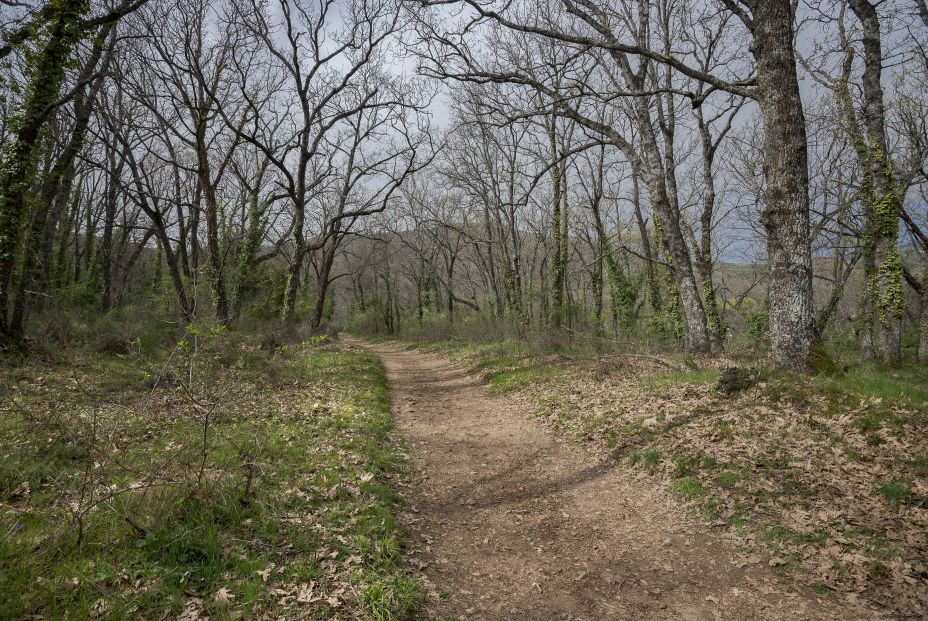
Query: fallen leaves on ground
833, 493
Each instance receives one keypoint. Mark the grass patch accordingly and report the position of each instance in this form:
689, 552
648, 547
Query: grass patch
906, 385
689, 488
897, 491
647, 459
669, 379
509, 380
122, 499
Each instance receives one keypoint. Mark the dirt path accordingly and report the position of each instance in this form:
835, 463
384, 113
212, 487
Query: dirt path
509, 521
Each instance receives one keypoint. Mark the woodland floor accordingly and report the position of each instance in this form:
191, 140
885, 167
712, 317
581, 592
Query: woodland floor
508, 519
278, 506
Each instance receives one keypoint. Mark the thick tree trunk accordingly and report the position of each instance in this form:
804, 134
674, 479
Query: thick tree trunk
786, 212
887, 281
18, 165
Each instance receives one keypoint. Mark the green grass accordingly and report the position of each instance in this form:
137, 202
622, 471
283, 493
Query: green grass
669, 379
512, 379
295, 490
506, 365
689, 488
882, 388
897, 490
648, 459
730, 478
908, 384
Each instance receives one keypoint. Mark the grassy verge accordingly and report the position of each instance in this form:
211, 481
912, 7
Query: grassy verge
215, 478
824, 478
507, 365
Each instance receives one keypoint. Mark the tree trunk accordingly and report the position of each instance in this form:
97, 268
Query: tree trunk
62, 271
681, 269
786, 212
704, 260
866, 333
651, 165
653, 290
887, 282
56, 190
557, 265
170, 258
596, 279
106, 244
923, 322
322, 286
213, 251
296, 264
18, 165
864, 324
193, 233
248, 251
152, 210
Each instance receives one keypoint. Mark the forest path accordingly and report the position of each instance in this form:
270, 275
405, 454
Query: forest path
507, 520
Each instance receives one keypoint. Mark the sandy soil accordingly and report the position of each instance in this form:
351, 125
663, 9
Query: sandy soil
509, 521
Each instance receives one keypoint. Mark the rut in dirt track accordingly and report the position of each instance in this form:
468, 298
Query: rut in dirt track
509, 521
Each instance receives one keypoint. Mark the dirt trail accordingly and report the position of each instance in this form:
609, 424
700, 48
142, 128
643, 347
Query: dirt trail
510, 521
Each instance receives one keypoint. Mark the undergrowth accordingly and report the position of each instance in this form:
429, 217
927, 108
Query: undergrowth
217, 475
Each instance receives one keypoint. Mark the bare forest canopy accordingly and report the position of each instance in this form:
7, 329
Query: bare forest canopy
687, 173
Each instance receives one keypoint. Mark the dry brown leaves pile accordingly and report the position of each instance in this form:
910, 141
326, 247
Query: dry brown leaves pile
796, 481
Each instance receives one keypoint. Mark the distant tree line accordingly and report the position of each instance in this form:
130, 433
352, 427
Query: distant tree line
662, 169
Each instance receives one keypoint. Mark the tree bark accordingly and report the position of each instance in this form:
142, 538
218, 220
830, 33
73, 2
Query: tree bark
704, 261
18, 165
655, 178
654, 292
557, 265
325, 271
248, 250
786, 212
887, 281
213, 251
106, 244
923, 322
